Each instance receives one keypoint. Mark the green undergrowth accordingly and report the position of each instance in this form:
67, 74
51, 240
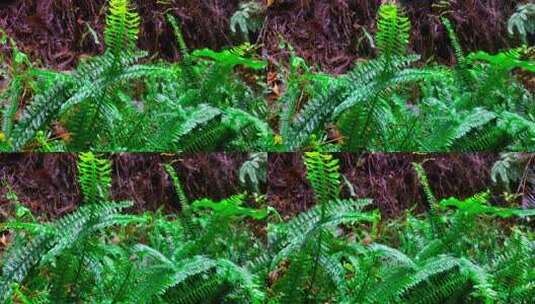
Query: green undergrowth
125, 100
395, 102
339, 251
101, 253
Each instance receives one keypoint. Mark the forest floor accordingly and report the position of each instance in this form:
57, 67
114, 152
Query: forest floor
389, 179
331, 34
47, 183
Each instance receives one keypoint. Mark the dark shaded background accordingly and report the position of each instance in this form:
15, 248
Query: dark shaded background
47, 182
389, 179
326, 32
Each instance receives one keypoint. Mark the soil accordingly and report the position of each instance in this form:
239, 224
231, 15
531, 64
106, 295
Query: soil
47, 182
388, 179
328, 33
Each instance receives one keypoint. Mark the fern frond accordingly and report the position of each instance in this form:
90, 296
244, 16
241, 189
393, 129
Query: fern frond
304, 227
322, 172
315, 115
197, 290
122, 27
94, 176
374, 78
41, 110
210, 136
522, 22
393, 31
187, 62
432, 282
456, 44
89, 81
55, 238
183, 199
508, 60
478, 205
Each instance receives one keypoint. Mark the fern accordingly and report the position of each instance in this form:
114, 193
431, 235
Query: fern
111, 103
92, 255
183, 199
253, 172
94, 176
179, 37
51, 241
322, 172
338, 251
247, 19
230, 207
456, 44
434, 219
457, 263
230, 58
306, 240
478, 205
187, 62
507, 61
40, 111
384, 104
389, 103
522, 22
20, 75
122, 27
434, 281
393, 31
89, 82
